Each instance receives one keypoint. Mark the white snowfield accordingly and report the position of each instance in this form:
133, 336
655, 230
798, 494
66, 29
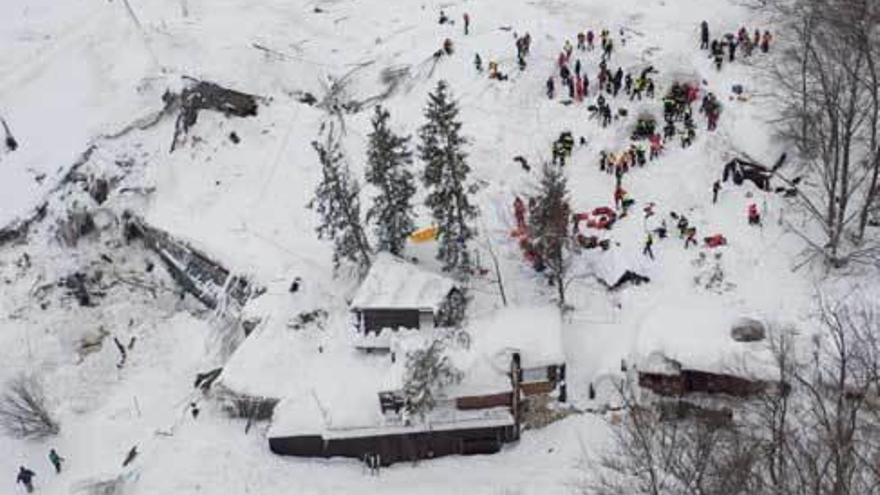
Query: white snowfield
73, 73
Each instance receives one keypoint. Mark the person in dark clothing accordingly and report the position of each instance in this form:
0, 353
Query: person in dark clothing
478, 62
691, 233
765, 42
56, 460
608, 49
618, 81
628, 84
731, 50
194, 410
467, 23
443, 18
130, 456
551, 88
564, 73
715, 188
682, 226
577, 67
704, 35
649, 91
570, 83
669, 130
606, 115
26, 478
647, 251
11, 143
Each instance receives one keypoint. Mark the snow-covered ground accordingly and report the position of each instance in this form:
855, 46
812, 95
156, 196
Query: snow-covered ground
74, 73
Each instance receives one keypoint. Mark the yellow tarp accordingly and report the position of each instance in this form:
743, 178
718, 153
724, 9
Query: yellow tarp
426, 234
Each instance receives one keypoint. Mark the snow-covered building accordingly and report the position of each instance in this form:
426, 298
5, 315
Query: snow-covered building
510, 355
396, 295
696, 351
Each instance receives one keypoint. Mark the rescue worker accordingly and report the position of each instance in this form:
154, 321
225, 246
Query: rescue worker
26, 478
647, 251
765, 42
56, 460
447, 46
519, 210
691, 238
754, 216
704, 35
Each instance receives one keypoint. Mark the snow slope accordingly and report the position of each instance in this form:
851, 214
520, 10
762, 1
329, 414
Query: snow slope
78, 73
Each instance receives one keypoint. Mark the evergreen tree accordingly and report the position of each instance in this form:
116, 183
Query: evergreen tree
428, 371
549, 218
445, 177
388, 161
336, 201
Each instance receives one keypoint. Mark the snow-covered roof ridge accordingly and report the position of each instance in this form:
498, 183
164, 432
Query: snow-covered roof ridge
393, 283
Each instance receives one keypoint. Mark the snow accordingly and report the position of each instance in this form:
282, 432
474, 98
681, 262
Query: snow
76, 72
698, 337
393, 283
534, 332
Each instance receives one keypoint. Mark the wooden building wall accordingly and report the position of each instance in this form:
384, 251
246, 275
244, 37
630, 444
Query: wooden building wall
693, 381
398, 447
504, 399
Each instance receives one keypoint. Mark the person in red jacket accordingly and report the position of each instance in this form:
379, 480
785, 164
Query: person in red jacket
656, 145
754, 215
519, 210
619, 196
765, 42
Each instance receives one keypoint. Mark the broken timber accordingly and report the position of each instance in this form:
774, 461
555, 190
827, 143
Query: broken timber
207, 280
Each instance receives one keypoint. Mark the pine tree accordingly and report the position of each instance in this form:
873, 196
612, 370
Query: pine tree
336, 201
428, 371
445, 177
549, 218
388, 161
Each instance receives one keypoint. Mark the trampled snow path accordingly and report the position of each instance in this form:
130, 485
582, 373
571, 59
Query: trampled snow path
245, 204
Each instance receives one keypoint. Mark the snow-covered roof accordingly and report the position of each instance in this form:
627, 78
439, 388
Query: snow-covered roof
393, 283
306, 416
609, 266
697, 336
534, 332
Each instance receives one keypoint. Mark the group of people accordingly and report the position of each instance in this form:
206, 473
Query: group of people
729, 43
26, 476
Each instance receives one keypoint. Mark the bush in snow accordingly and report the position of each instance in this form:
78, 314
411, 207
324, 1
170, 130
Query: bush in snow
336, 201
712, 276
388, 163
23, 409
446, 179
428, 372
453, 309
